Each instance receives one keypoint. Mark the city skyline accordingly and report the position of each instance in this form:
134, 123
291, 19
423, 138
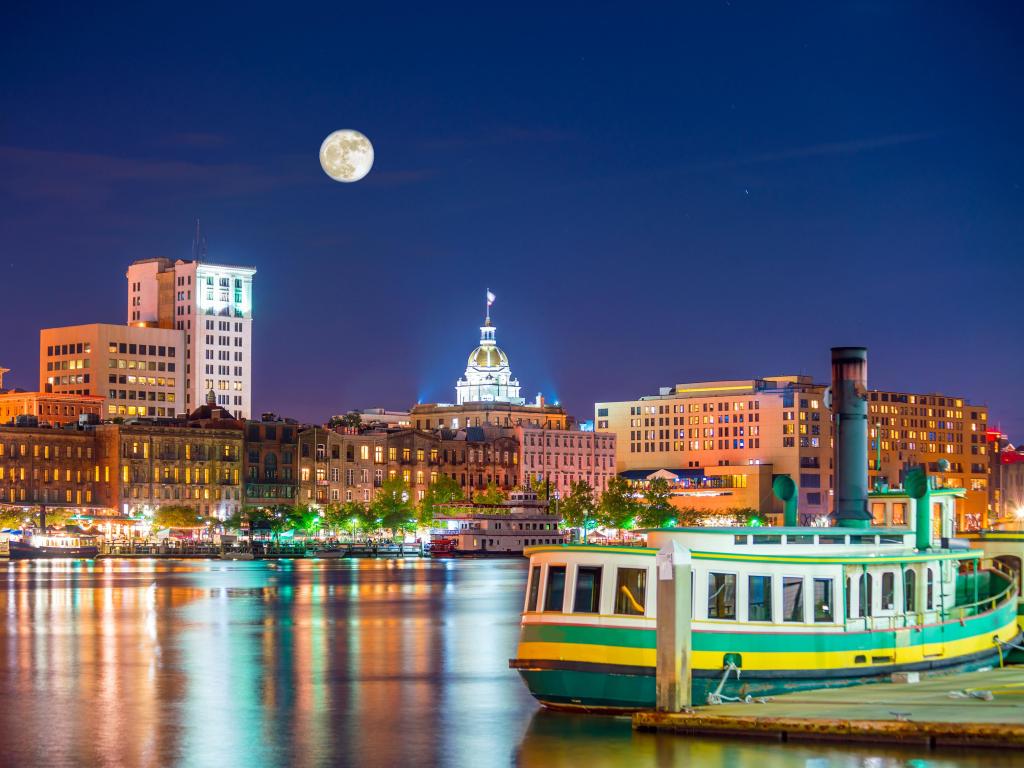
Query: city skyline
729, 204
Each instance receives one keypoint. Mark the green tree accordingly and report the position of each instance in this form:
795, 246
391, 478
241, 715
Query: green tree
657, 510
305, 518
351, 420
439, 493
618, 508
13, 518
541, 487
579, 506
351, 517
392, 508
492, 494
176, 516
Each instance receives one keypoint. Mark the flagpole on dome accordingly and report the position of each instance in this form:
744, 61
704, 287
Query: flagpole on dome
490, 300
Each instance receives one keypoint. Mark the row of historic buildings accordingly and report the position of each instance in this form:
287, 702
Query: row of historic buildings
108, 462
720, 444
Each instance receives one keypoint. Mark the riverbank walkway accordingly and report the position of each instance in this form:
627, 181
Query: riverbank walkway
984, 708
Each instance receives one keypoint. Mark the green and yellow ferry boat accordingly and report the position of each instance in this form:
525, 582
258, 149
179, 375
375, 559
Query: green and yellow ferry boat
773, 610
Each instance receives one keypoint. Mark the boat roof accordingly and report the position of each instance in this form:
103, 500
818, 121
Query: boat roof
888, 557
795, 530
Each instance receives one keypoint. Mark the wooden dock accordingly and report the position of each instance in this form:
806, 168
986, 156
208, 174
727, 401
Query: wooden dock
984, 708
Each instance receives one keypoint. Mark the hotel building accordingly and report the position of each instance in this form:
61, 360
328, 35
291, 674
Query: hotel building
212, 305
735, 427
944, 434
709, 435
139, 371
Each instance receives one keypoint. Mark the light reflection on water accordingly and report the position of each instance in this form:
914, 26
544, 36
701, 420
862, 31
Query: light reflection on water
309, 663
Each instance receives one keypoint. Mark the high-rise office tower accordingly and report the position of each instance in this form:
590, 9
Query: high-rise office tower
212, 304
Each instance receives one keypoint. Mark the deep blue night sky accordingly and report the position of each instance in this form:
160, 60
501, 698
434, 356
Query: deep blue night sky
725, 191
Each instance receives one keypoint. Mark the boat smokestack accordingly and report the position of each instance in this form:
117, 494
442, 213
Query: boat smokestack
850, 411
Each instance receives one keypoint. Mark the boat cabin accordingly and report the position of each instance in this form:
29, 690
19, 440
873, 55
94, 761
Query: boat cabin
838, 578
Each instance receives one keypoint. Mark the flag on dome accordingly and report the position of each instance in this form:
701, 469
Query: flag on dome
490, 298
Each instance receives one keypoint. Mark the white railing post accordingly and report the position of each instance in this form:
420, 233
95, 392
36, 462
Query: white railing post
674, 651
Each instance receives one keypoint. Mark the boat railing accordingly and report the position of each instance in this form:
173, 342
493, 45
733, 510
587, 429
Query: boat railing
941, 613
990, 602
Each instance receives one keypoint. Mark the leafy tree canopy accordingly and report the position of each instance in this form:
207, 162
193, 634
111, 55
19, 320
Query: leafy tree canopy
618, 508
442, 491
579, 506
490, 495
657, 510
176, 516
393, 508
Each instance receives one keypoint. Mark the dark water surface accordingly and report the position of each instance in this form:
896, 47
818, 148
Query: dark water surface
311, 663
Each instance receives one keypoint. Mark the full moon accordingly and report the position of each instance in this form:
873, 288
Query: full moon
346, 155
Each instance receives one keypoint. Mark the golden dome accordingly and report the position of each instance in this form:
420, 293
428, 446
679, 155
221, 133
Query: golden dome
488, 357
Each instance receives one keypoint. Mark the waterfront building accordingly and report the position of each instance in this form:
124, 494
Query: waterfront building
44, 466
271, 450
338, 466
138, 371
476, 457
414, 457
561, 457
48, 408
343, 465
945, 434
776, 421
212, 305
152, 464
717, 490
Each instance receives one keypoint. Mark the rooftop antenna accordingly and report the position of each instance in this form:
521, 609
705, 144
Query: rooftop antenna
198, 244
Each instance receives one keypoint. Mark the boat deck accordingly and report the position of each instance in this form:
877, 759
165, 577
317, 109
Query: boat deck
918, 713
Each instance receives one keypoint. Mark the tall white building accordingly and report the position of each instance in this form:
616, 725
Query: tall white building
212, 304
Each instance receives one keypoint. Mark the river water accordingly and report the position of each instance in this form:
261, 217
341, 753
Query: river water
311, 663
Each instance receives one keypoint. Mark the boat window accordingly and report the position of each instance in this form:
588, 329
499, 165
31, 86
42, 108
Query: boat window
739, 539
866, 585
759, 598
888, 591
890, 539
849, 598
909, 590
831, 539
534, 593
792, 598
899, 513
929, 589
588, 590
1011, 564
721, 595
862, 539
823, 600
767, 539
631, 591
799, 539
556, 588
